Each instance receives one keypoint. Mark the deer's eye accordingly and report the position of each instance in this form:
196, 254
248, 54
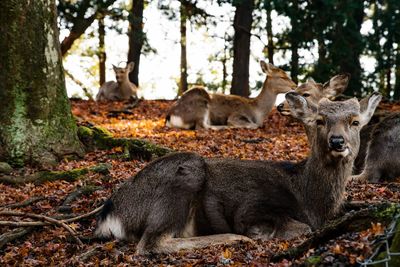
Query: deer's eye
320, 122
306, 95
355, 123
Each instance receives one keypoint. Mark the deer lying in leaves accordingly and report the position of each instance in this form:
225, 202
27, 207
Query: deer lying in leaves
198, 109
177, 200
123, 89
379, 154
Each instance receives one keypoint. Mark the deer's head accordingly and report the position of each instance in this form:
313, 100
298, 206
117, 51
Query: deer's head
278, 80
314, 91
333, 127
121, 74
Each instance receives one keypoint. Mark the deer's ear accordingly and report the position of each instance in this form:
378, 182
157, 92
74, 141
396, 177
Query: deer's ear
184, 175
115, 68
368, 106
300, 108
264, 66
336, 85
130, 66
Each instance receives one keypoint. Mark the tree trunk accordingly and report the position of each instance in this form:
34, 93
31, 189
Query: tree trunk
102, 51
396, 95
241, 48
136, 38
36, 125
183, 84
294, 39
270, 47
349, 58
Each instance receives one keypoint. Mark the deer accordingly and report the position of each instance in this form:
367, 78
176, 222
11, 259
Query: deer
230, 111
378, 157
123, 89
381, 158
184, 201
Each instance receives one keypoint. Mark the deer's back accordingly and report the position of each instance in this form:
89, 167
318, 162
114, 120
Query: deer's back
254, 189
221, 106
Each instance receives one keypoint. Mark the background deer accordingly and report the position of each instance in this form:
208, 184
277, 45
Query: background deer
123, 89
183, 195
314, 91
229, 110
379, 153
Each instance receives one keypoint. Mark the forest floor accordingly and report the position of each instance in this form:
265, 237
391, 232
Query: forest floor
280, 139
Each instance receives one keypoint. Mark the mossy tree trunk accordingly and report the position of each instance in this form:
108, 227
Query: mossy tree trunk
36, 125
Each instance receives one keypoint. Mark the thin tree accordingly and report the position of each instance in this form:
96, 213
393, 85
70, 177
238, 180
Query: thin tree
183, 17
241, 47
102, 51
136, 38
36, 125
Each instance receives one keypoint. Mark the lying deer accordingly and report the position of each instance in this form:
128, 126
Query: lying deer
225, 111
380, 141
177, 199
123, 89
382, 154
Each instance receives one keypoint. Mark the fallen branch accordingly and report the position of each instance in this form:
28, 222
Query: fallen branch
43, 218
14, 234
99, 138
85, 190
50, 176
29, 226
23, 203
350, 222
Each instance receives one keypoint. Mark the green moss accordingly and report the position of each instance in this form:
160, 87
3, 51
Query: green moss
98, 137
313, 261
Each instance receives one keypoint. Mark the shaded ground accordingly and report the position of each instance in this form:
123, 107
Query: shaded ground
280, 139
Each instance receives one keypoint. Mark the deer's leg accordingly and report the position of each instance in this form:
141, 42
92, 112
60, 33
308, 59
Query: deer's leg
214, 212
291, 229
240, 120
167, 244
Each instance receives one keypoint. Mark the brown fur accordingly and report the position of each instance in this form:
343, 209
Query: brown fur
226, 111
182, 195
123, 89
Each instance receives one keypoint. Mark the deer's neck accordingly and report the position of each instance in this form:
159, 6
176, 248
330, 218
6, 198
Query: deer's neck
266, 99
322, 187
125, 87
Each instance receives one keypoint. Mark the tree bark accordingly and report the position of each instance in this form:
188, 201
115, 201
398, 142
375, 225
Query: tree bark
241, 48
36, 124
183, 84
136, 38
294, 39
270, 47
102, 51
396, 95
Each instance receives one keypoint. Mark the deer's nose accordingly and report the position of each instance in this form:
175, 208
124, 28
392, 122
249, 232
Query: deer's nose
336, 142
280, 107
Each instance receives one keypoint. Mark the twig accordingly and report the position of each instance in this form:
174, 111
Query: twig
23, 203
14, 234
43, 218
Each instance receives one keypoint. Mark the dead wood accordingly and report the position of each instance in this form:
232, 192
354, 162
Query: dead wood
45, 221
99, 138
50, 176
351, 222
23, 203
42, 218
85, 190
14, 234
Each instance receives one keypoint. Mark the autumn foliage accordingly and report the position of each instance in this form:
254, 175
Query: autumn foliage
280, 139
